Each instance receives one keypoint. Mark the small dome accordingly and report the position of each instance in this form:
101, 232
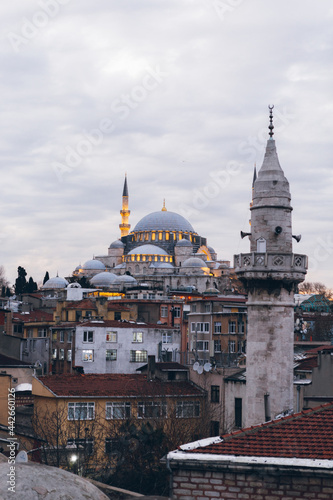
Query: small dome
164, 221
78, 267
94, 265
163, 265
124, 279
194, 262
117, 244
184, 243
55, 282
211, 291
211, 249
148, 250
103, 279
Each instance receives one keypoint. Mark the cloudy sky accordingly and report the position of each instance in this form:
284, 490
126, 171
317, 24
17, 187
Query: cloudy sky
174, 93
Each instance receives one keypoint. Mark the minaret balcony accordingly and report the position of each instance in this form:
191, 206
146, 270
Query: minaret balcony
280, 266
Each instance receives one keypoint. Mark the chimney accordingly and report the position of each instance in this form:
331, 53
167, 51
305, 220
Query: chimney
151, 367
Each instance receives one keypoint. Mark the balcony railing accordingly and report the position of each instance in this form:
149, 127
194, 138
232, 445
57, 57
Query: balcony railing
278, 262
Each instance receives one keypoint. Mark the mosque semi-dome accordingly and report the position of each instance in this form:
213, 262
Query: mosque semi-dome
164, 221
56, 282
125, 279
94, 265
103, 279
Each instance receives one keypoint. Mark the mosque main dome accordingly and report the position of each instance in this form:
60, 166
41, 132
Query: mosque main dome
164, 221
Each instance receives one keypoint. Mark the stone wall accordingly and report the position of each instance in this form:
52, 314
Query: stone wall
197, 485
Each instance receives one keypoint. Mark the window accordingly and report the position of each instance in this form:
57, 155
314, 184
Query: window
261, 245
200, 327
30, 333
238, 412
87, 355
194, 308
215, 393
62, 336
232, 327
166, 338
42, 332
54, 353
69, 355
111, 336
193, 327
138, 356
151, 296
88, 336
202, 345
81, 411
232, 345
118, 411
176, 312
188, 409
137, 337
117, 316
85, 445
241, 327
19, 329
217, 327
152, 409
217, 346
207, 308
164, 311
111, 354
69, 336
62, 354
113, 446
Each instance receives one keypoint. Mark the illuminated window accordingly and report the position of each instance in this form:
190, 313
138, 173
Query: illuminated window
155, 258
88, 355
167, 235
153, 236
144, 258
132, 257
146, 236
160, 236
81, 411
180, 236
111, 336
138, 257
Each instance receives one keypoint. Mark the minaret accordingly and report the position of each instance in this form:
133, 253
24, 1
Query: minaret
124, 212
270, 273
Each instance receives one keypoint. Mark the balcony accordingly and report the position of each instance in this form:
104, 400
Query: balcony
279, 266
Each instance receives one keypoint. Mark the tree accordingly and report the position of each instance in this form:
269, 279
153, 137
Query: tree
46, 277
31, 286
20, 282
315, 288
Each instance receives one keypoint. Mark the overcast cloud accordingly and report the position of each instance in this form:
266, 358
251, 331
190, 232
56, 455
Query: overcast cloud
174, 93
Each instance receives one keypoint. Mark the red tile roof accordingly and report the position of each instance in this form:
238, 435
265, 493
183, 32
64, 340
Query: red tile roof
117, 385
308, 434
8, 361
36, 316
307, 364
320, 348
81, 304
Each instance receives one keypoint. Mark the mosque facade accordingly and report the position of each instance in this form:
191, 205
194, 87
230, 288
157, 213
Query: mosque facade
162, 248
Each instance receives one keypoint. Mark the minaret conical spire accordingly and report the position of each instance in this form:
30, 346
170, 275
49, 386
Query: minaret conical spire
124, 212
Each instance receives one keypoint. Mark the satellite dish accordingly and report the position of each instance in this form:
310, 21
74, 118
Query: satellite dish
196, 366
207, 367
200, 369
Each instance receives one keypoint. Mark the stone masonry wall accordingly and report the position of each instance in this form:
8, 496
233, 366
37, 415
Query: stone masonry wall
195, 485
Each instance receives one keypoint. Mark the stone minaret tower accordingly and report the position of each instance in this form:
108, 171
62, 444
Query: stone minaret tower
270, 273
124, 212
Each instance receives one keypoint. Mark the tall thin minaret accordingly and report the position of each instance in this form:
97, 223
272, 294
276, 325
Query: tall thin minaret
124, 212
270, 273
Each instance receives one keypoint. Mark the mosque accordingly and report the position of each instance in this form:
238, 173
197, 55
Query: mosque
163, 248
